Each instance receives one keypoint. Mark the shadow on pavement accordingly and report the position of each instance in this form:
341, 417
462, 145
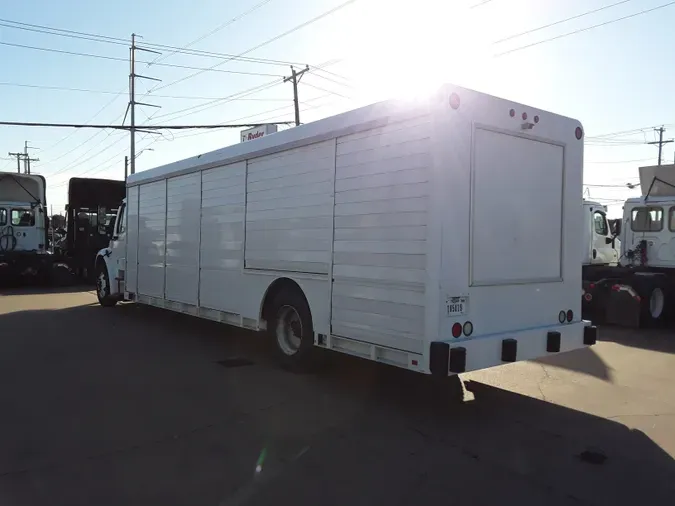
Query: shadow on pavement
43, 290
131, 406
585, 361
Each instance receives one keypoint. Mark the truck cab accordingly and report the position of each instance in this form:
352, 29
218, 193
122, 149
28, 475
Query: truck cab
110, 262
601, 246
23, 225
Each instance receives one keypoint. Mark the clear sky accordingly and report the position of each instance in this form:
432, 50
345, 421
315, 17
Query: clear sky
614, 78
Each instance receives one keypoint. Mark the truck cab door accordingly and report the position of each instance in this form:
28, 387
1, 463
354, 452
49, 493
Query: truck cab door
603, 246
28, 225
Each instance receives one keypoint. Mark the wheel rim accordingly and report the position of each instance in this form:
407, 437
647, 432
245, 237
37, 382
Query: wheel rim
289, 330
102, 285
656, 302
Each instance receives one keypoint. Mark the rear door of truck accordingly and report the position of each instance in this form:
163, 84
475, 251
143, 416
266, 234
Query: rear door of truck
511, 252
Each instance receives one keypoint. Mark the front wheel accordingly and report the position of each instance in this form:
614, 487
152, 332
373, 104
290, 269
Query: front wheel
103, 287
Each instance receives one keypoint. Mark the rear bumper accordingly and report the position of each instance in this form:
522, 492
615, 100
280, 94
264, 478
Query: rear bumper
448, 357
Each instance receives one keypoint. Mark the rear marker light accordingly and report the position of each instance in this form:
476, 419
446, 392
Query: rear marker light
570, 315
467, 329
561, 317
454, 101
536, 119
591, 286
578, 133
512, 113
457, 330
414, 362
524, 116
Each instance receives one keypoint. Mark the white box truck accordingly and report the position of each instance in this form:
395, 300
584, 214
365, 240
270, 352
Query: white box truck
440, 236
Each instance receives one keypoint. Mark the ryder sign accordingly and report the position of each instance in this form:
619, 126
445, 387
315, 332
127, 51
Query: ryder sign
257, 132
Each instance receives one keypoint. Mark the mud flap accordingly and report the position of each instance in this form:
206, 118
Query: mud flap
622, 309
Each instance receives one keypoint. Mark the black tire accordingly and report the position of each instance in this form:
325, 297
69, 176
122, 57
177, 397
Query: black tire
653, 300
290, 310
103, 287
60, 275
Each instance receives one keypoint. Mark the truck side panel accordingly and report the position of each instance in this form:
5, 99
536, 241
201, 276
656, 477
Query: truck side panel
182, 238
152, 239
132, 240
381, 204
222, 236
286, 193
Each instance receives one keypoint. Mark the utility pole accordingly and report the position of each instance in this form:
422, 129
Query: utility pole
19, 156
661, 142
295, 79
132, 96
27, 159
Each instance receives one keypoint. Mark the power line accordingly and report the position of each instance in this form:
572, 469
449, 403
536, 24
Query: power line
219, 28
585, 29
118, 93
116, 58
214, 103
121, 41
268, 41
510, 37
326, 91
123, 127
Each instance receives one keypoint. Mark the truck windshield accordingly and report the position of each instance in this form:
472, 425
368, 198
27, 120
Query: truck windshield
23, 218
646, 219
3, 216
600, 222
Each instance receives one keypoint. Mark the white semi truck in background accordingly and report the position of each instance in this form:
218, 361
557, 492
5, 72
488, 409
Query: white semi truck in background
372, 233
23, 227
640, 291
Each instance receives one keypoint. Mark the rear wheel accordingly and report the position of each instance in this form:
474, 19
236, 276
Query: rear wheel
653, 300
103, 287
291, 328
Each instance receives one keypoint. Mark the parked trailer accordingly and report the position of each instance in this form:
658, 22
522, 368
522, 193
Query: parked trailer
376, 233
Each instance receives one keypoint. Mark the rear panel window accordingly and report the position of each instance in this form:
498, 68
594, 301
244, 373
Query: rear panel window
646, 219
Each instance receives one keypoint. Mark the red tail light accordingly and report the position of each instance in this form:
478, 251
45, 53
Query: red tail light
570, 315
579, 133
457, 330
591, 286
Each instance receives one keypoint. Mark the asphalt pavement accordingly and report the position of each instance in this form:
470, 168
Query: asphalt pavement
136, 406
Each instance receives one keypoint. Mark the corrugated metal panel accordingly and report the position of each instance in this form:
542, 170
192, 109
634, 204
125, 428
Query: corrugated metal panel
152, 238
182, 238
379, 260
289, 209
132, 240
222, 234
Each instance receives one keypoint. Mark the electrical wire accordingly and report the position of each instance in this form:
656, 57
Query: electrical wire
645, 11
325, 90
219, 28
117, 93
510, 37
268, 41
125, 60
120, 41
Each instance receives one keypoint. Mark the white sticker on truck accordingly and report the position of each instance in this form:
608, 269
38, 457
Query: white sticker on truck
457, 306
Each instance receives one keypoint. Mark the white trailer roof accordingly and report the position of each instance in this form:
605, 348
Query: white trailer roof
363, 118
